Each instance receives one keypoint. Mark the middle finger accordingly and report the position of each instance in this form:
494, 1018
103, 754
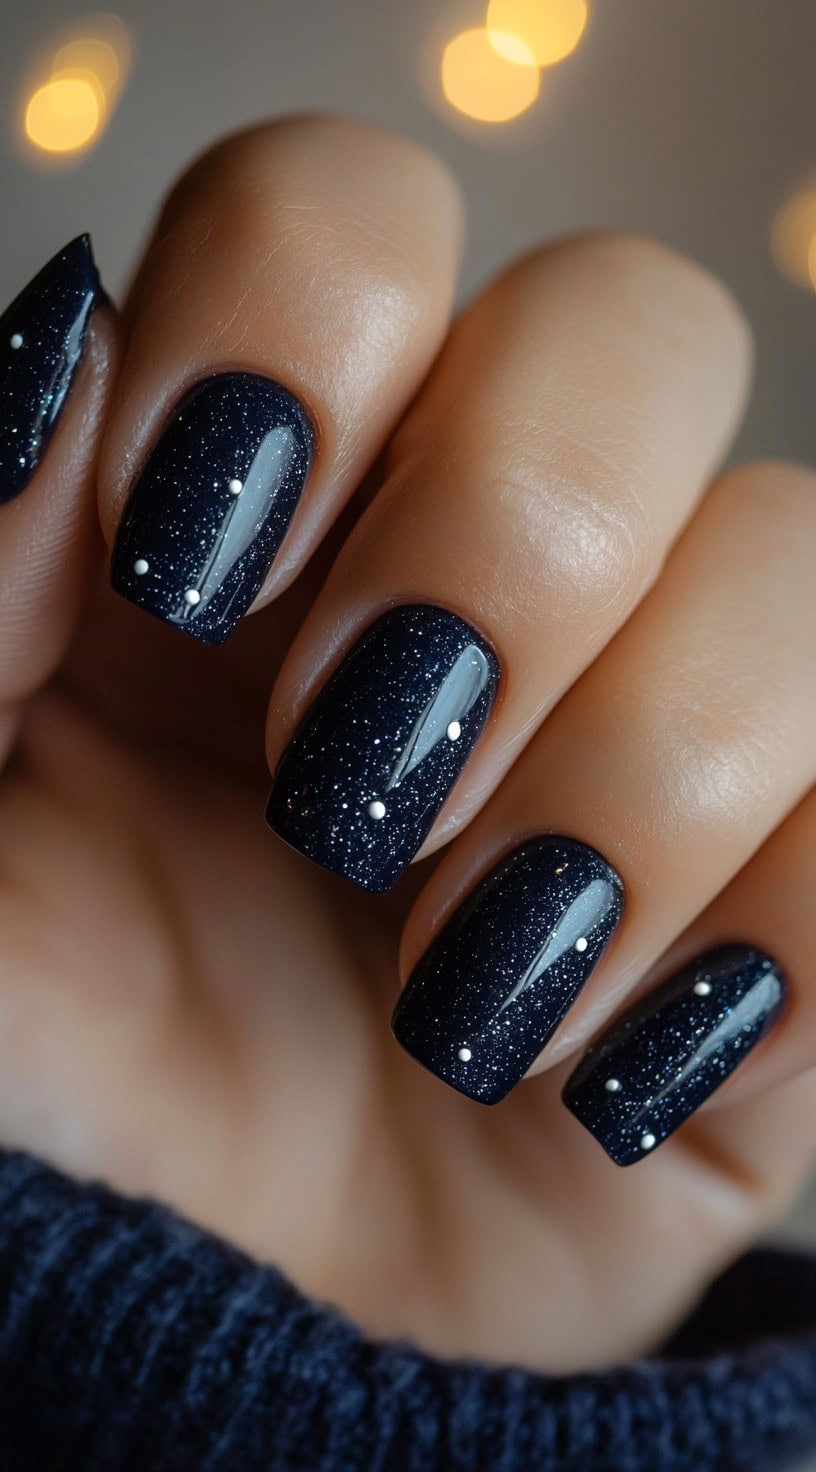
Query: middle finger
577, 411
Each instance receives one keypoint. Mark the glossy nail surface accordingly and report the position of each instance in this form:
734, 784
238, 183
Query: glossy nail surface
42, 335
213, 504
363, 778
661, 1059
494, 985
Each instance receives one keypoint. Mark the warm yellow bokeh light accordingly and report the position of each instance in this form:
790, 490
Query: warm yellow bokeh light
63, 115
793, 239
551, 29
94, 58
482, 84
85, 75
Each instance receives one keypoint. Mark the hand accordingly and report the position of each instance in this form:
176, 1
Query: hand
188, 1007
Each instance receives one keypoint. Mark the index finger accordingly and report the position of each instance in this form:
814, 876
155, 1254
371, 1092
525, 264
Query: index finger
291, 301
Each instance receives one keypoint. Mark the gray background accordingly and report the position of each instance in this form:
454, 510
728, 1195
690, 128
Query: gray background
690, 119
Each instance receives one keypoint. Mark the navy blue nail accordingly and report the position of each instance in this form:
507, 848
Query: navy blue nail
212, 504
42, 335
660, 1060
363, 778
494, 985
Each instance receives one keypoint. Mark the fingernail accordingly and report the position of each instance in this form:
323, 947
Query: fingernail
42, 335
213, 503
362, 780
494, 985
660, 1060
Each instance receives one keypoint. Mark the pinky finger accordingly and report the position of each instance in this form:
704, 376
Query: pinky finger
741, 990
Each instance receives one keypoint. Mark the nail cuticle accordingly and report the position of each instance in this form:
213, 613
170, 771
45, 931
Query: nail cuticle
669, 1052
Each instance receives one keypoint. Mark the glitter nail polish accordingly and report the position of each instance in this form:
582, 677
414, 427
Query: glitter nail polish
380, 748
662, 1058
212, 504
495, 983
42, 335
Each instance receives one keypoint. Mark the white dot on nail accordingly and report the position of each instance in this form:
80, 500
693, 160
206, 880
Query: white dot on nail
647, 1142
236, 487
581, 943
17, 340
454, 731
192, 596
612, 1085
465, 1055
376, 809
702, 988
141, 566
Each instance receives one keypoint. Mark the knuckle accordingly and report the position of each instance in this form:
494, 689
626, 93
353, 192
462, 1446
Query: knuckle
321, 199
619, 256
725, 769
583, 544
641, 281
340, 169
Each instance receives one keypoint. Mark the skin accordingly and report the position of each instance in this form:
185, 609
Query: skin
189, 1009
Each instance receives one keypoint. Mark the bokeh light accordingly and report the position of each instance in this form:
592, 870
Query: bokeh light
793, 238
550, 29
484, 84
65, 113
107, 56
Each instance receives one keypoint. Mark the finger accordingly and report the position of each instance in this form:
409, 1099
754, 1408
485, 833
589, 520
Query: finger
291, 301
674, 758
575, 414
58, 349
741, 974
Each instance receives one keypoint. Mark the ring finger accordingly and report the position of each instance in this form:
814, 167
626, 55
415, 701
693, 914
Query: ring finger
744, 965
290, 303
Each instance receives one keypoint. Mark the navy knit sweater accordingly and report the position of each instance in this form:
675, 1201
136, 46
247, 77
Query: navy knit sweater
131, 1340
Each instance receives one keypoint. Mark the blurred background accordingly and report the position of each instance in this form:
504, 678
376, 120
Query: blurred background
690, 120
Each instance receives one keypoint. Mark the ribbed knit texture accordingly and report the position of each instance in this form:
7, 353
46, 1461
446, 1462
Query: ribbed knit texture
131, 1340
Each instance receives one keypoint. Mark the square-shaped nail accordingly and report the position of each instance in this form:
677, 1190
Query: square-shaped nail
380, 748
212, 504
495, 983
662, 1058
42, 335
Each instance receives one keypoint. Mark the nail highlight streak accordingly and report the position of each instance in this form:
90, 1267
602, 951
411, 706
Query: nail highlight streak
213, 503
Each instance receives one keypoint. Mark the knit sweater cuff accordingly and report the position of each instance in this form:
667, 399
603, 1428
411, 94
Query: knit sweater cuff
132, 1340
